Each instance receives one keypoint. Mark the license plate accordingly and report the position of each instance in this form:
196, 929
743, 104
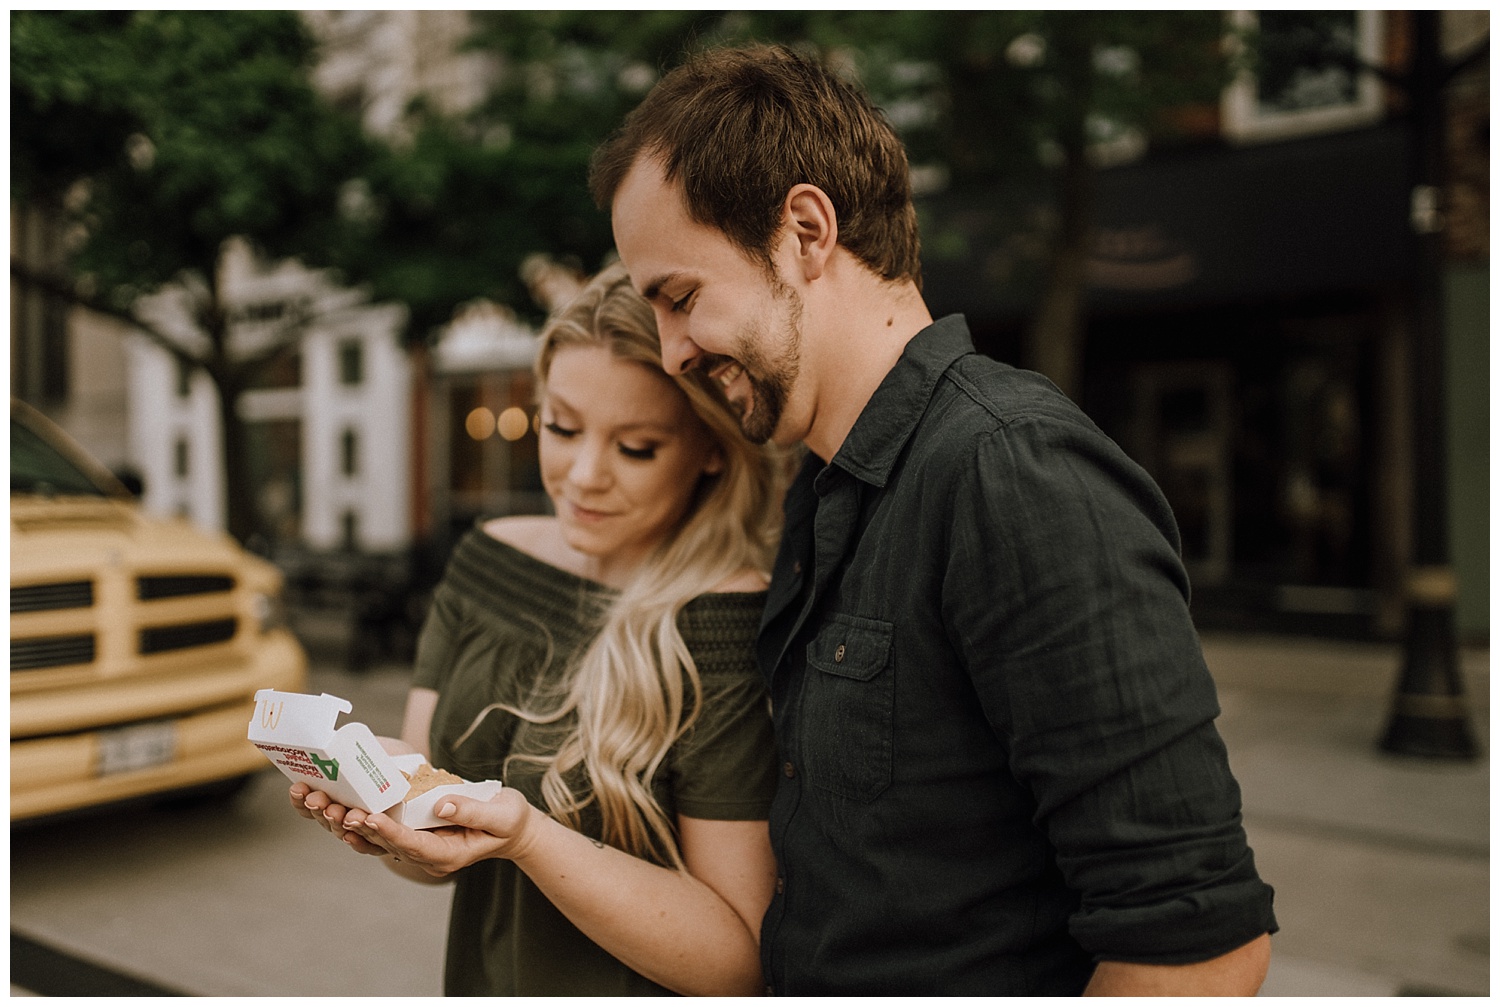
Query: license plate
138, 746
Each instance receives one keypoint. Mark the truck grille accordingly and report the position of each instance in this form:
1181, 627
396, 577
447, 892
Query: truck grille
181, 586
52, 597
51, 652
159, 639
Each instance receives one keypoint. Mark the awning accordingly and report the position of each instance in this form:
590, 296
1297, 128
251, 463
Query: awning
1194, 229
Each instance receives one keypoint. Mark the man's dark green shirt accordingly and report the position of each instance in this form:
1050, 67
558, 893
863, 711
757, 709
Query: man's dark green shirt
999, 762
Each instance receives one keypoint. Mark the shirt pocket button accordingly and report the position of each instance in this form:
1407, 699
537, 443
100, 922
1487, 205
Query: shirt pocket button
838, 655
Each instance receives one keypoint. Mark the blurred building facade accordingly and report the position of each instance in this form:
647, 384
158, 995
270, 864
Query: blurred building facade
1248, 340
68, 362
473, 441
328, 425
377, 62
352, 437
1249, 328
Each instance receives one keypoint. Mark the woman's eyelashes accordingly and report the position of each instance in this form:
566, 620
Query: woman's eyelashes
643, 454
636, 452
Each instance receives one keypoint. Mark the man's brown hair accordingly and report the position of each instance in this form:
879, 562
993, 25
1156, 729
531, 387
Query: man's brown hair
739, 127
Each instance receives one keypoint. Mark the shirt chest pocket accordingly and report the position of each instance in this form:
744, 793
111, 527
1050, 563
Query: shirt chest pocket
848, 706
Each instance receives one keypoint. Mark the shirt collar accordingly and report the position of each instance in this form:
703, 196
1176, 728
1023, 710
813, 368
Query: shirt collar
888, 419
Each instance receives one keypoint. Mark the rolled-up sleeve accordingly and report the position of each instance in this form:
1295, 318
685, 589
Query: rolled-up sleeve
1092, 674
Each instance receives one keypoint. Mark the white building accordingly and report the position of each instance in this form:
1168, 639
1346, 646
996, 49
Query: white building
339, 432
329, 433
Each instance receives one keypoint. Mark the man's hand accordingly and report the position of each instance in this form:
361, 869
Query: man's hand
1239, 973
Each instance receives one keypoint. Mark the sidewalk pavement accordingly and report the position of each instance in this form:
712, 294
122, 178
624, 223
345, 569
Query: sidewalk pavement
1380, 862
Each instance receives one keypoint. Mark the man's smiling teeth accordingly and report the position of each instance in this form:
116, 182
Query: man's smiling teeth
725, 375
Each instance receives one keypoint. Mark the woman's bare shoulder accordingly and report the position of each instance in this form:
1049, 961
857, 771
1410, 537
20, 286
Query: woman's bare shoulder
534, 534
747, 581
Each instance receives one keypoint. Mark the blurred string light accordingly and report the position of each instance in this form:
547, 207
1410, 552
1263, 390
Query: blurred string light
480, 423
512, 423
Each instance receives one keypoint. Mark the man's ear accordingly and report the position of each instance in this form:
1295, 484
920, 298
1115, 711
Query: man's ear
808, 217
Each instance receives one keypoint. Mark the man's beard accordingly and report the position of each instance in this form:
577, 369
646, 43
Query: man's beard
771, 378
760, 421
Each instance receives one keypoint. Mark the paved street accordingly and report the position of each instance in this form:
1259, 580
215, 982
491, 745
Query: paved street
1380, 864
243, 899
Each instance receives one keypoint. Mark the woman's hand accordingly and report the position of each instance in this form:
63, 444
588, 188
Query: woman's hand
318, 807
482, 830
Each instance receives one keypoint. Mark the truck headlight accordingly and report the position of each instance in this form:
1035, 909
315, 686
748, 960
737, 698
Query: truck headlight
269, 611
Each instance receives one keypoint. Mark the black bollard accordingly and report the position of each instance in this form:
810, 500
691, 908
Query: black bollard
1429, 716
1428, 713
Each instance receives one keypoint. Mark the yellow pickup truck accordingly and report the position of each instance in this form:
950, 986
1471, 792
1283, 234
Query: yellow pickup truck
136, 644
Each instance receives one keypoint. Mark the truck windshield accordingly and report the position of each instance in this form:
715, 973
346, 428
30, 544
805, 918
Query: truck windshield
36, 467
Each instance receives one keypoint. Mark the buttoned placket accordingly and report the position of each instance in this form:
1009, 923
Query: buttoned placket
823, 518
835, 521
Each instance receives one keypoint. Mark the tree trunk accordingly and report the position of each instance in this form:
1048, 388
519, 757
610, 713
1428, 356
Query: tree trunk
230, 378
241, 515
1055, 339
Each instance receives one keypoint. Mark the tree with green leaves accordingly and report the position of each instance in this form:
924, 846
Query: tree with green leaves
453, 214
1032, 100
1045, 99
159, 136
158, 139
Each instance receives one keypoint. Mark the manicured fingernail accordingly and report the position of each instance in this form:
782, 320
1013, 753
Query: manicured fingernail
446, 810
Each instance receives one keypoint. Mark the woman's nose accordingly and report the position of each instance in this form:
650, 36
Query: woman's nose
590, 466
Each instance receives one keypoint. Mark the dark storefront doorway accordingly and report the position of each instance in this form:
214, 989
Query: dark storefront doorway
1245, 335
1263, 429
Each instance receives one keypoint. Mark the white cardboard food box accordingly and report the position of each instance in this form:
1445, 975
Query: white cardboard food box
421, 811
296, 732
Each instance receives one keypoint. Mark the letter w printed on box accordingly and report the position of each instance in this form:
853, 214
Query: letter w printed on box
296, 732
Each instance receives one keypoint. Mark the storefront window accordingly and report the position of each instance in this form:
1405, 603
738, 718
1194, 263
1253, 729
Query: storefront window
1305, 75
285, 371
275, 448
492, 447
351, 362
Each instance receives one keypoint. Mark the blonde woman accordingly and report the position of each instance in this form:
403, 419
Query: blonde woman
600, 662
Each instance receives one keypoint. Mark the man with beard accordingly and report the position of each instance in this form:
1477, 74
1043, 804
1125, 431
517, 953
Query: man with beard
1000, 770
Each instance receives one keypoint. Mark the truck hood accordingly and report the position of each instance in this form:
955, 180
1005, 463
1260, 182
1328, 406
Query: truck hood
56, 538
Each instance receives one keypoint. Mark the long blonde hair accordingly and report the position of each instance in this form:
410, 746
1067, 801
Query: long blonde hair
635, 689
